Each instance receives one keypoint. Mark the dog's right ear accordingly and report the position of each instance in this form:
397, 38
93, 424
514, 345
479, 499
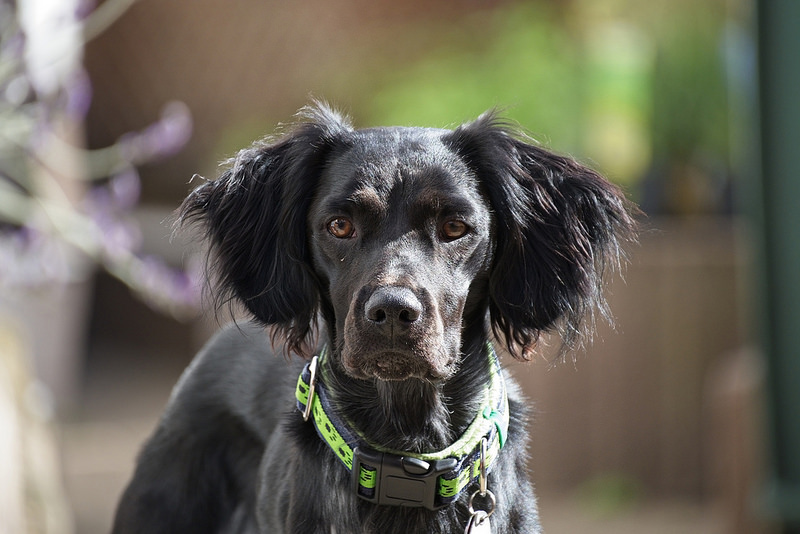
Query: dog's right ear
254, 219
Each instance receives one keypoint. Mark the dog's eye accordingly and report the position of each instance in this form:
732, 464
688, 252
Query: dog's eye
341, 228
454, 229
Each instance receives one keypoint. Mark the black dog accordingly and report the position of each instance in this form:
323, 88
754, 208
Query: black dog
403, 250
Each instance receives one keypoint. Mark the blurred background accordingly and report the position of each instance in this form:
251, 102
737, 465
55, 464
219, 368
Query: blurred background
684, 418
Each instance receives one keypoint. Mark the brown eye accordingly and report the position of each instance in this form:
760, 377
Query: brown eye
454, 229
341, 228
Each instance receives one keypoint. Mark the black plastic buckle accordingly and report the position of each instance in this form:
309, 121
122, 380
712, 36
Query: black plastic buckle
400, 480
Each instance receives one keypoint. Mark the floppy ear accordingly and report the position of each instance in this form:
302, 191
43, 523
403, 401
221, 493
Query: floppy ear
254, 218
558, 226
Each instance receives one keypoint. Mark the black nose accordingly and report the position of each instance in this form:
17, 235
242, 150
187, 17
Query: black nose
393, 307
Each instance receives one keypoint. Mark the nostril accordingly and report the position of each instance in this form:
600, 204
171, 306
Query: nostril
408, 316
378, 316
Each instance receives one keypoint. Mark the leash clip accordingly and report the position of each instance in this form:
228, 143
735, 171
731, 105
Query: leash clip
479, 519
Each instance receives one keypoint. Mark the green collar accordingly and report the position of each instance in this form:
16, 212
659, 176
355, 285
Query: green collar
385, 476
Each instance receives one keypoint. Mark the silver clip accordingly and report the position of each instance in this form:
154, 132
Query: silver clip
482, 477
312, 368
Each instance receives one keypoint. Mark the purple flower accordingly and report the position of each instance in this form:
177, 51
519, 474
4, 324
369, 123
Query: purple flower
29, 258
125, 189
174, 129
119, 239
166, 288
84, 9
78, 95
162, 138
120, 194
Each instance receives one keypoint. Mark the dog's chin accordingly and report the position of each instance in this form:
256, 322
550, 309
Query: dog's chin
393, 376
392, 367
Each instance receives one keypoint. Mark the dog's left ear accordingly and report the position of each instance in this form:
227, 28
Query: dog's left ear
558, 225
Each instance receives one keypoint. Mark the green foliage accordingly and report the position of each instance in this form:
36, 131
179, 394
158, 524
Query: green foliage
620, 86
689, 91
610, 494
518, 56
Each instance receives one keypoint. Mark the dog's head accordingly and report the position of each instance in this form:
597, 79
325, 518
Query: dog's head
403, 238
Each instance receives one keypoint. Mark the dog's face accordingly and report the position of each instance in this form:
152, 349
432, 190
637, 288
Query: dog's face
399, 232
405, 240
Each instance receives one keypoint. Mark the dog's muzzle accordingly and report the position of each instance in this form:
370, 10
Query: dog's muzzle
392, 333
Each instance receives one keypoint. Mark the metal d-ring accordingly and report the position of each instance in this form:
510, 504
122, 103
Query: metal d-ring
312, 368
492, 500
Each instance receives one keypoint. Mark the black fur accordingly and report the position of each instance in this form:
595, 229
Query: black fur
409, 246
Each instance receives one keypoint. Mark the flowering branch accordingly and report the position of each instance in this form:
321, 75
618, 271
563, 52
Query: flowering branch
64, 208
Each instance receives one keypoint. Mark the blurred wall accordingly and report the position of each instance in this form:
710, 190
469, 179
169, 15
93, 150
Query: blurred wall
241, 67
635, 407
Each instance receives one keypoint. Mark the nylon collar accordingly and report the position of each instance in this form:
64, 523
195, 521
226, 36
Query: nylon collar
385, 476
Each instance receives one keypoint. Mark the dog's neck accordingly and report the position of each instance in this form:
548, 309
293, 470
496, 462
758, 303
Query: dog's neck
414, 415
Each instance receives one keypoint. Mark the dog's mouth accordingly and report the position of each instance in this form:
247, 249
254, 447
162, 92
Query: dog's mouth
392, 366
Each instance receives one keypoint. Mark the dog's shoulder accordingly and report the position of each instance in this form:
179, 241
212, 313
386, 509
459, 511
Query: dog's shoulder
237, 374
